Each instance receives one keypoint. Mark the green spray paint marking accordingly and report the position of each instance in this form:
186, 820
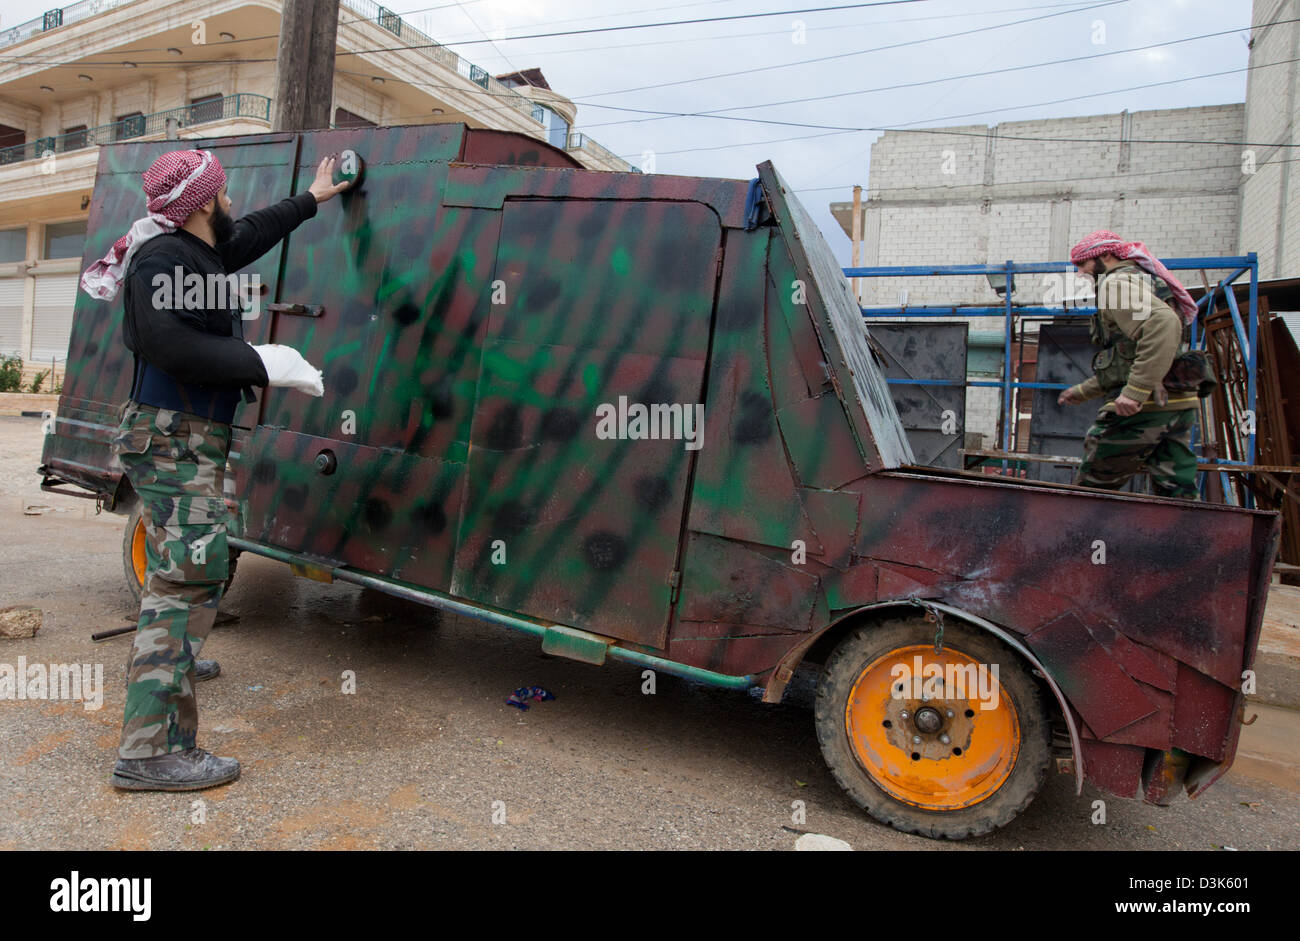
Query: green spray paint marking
379, 362
347, 349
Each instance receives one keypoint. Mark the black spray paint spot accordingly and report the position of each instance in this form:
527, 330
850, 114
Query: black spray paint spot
511, 517
543, 294
755, 422
378, 514
506, 430
343, 382
429, 517
652, 493
406, 314
264, 472
295, 497
560, 424
440, 398
605, 551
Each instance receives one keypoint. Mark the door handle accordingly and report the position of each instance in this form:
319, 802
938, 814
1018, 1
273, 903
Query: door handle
298, 310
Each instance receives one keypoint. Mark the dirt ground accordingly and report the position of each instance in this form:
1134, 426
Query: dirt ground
426, 753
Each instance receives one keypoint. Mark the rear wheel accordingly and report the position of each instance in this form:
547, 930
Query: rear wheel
954, 744
135, 560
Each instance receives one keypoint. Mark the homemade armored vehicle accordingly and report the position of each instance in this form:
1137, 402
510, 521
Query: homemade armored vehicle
638, 417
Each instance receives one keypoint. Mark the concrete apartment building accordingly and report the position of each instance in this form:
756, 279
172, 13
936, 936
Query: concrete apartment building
979, 194
100, 71
1269, 214
984, 195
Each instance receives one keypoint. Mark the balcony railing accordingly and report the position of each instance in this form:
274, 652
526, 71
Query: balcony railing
242, 105
579, 141
506, 96
56, 17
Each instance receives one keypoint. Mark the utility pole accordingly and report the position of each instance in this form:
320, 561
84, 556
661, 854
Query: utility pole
304, 68
857, 241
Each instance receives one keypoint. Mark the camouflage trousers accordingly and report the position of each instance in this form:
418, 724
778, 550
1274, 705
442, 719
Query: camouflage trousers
176, 462
1117, 447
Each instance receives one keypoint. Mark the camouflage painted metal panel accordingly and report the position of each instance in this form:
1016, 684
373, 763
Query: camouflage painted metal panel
488, 188
561, 523
381, 511
484, 145
1191, 602
743, 464
838, 320
366, 263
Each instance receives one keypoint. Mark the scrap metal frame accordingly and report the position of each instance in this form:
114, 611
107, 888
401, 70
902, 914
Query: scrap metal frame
1247, 333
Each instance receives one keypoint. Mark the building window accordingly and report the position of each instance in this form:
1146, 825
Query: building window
12, 137
74, 138
65, 239
557, 129
206, 108
128, 125
13, 245
345, 118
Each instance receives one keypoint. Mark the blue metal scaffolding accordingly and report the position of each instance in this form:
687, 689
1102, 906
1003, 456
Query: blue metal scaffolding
1247, 333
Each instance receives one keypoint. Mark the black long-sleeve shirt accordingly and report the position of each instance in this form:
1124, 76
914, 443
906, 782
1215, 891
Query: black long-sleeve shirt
201, 349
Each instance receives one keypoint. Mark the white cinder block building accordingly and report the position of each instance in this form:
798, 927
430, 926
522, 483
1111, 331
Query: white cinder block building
976, 194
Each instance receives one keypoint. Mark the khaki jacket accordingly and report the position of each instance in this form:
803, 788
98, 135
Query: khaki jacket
1127, 301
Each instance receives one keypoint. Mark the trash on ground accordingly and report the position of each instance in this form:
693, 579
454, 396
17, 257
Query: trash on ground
524, 694
814, 842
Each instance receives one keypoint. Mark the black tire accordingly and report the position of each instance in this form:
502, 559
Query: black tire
134, 583
865, 646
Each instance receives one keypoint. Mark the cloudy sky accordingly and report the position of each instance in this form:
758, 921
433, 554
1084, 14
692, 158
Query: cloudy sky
766, 79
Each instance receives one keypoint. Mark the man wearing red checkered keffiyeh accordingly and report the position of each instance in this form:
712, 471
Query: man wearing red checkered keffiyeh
176, 185
1149, 414
1102, 243
191, 363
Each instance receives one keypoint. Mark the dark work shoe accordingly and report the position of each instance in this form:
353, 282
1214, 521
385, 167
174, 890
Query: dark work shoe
190, 770
203, 670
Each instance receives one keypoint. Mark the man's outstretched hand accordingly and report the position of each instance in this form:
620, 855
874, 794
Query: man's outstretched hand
324, 187
286, 368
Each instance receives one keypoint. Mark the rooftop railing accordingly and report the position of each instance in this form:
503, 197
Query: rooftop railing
425, 45
242, 105
56, 17
580, 141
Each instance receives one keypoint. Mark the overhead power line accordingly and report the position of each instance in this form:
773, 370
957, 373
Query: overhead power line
471, 42
855, 52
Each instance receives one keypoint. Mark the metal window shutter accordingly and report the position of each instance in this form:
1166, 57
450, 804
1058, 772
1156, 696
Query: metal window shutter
56, 296
11, 315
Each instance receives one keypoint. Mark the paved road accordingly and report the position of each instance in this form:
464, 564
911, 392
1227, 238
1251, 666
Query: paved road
421, 754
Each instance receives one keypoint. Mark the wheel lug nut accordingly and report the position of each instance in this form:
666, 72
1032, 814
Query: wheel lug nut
950, 713
916, 740
945, 739
903, 714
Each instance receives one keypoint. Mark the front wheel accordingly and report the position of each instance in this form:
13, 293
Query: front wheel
953, 745
135, 560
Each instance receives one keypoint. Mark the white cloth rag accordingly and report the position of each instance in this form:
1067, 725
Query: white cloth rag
286, 368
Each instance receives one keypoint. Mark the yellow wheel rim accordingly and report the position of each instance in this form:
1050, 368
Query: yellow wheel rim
928, 731
138, 558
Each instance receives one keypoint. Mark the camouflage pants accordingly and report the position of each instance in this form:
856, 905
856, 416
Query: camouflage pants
1118, 447
176, 462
